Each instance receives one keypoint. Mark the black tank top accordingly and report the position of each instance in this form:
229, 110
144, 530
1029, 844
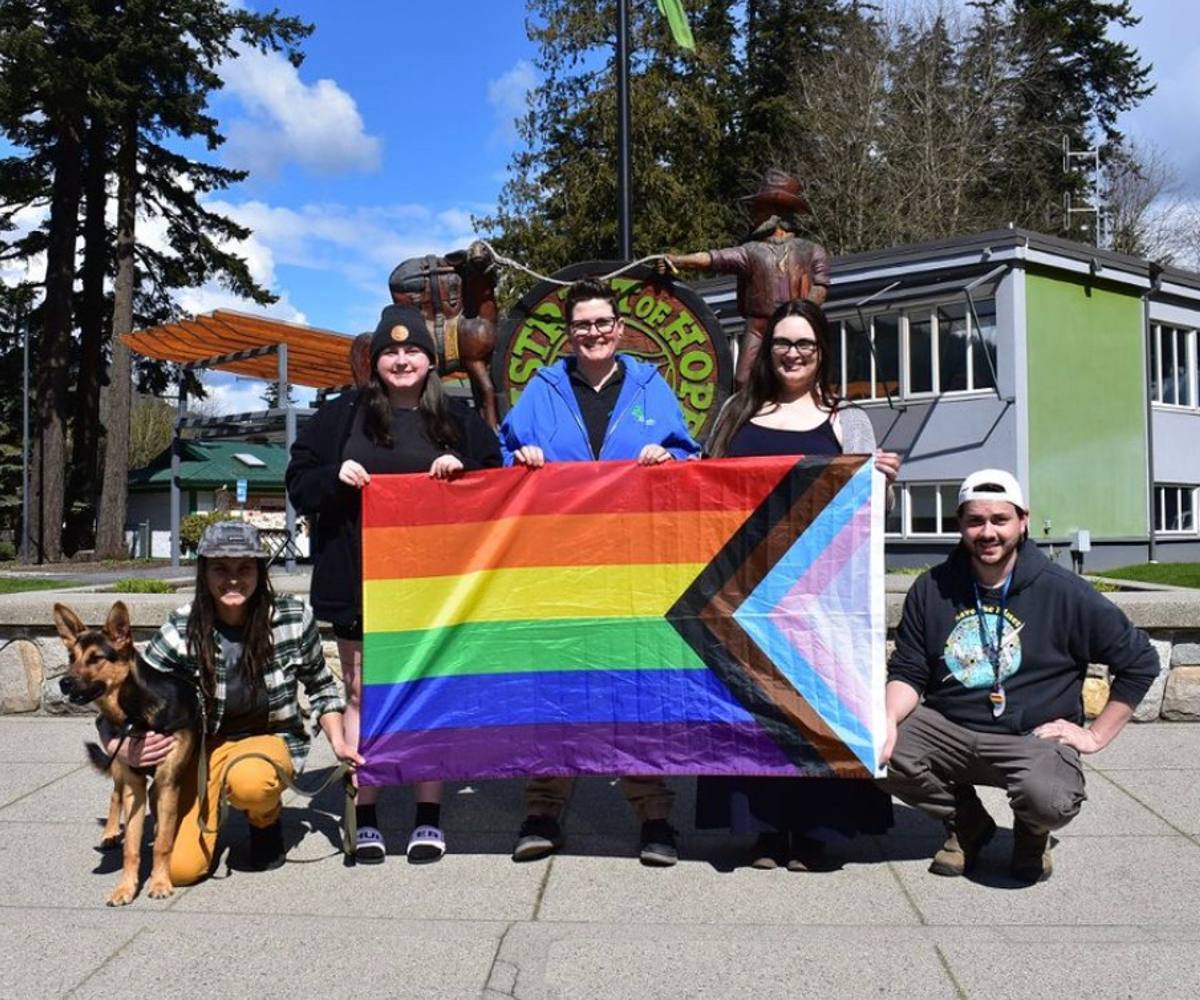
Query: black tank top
753, 439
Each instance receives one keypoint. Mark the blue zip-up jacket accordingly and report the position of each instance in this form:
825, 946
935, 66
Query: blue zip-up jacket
547, 415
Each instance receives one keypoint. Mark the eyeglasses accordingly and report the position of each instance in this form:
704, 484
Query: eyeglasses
605, 324
805, 348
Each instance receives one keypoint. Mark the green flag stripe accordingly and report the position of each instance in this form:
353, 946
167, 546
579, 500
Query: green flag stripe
526, 647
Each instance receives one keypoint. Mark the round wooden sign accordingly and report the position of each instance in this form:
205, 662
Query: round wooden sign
666, 324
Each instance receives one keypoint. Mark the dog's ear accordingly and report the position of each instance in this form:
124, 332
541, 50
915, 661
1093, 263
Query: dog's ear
117, 627
68, 623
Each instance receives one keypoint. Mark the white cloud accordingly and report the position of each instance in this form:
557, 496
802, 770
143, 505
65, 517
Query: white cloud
508, 95
232, 394
260, 260
316, 125
362, 243
152, 232
14, 272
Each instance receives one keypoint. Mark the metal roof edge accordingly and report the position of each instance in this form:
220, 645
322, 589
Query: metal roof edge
991, 247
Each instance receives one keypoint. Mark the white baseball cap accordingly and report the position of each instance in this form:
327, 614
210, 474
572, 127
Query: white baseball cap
992, 484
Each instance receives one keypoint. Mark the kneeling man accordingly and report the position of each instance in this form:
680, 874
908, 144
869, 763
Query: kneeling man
985, 686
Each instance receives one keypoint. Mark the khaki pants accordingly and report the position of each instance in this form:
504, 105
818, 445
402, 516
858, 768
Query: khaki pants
650, 797
933, 756
253, 786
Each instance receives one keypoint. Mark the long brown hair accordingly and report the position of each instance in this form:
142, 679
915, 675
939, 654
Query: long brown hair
432, 405
763, 385
258, 643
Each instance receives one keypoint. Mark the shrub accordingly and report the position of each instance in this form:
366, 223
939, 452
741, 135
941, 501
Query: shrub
193, 526
138, 585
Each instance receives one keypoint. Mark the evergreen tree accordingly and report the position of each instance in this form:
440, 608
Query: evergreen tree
1083, 81
161, 82
78, 80
901, 128
45, 83
560, 202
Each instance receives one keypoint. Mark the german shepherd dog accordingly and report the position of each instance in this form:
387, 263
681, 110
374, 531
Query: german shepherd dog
107, 669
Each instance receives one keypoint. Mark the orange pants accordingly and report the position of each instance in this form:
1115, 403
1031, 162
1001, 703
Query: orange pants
253, 786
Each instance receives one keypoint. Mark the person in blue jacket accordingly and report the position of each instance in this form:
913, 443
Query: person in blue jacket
596, 405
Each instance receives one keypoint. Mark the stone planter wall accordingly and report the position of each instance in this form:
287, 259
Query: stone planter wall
32, 662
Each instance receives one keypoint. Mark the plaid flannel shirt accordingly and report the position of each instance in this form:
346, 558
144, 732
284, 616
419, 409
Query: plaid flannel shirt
297, 657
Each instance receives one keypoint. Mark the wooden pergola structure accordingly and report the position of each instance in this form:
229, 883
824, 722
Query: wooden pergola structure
255, 347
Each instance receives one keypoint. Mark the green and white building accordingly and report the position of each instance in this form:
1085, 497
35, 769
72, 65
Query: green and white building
1073, 367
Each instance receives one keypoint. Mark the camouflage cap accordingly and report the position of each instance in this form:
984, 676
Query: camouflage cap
230, 539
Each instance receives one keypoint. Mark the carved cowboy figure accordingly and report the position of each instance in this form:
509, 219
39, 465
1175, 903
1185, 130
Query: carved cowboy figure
773, 265
457, 296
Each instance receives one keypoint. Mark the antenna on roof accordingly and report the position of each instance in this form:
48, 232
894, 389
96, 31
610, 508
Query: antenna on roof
1085, 165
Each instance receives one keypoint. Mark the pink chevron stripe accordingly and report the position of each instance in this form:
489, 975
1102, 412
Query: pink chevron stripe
811, 617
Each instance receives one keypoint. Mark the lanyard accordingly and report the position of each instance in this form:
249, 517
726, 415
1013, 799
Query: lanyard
996, 696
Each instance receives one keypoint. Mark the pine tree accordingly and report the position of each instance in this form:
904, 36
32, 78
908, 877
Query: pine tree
560, 202
1084, 80
77, 80
163, 74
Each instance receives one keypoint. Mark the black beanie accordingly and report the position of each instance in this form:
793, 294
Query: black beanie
401, 325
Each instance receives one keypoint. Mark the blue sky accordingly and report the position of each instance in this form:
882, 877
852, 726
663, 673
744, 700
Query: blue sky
393, 133
398, 128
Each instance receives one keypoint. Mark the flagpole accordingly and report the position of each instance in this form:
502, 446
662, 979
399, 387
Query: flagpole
624, 192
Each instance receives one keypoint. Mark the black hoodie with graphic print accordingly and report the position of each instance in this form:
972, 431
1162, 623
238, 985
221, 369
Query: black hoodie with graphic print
1055, 624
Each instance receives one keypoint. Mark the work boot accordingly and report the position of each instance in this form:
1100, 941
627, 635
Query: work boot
266, 847
1031, 861
967, 832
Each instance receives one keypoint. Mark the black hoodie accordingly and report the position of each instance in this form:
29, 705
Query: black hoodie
1055, 625
314, 489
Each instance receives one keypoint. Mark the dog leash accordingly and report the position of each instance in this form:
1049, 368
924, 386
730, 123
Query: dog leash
342, 771
124, 733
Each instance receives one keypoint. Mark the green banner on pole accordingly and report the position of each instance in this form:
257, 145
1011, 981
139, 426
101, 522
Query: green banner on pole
676, 17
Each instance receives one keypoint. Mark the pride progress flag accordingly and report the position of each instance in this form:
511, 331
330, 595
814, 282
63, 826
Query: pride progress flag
717, 617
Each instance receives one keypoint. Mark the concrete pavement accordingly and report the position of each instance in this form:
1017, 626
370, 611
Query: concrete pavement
1120, 918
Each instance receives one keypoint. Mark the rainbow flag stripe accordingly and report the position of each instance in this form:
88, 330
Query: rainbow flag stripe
598, 618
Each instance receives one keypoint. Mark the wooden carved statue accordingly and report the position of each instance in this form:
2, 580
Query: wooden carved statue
360, 359
457, 296
773, 265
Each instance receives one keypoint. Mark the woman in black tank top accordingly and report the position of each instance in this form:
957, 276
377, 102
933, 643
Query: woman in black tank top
788, 408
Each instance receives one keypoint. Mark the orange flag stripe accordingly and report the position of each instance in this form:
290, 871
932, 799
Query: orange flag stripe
547, 540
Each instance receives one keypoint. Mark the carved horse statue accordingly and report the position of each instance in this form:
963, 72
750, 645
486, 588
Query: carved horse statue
457, 296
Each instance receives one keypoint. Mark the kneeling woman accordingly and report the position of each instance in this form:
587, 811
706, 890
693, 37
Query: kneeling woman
246, 648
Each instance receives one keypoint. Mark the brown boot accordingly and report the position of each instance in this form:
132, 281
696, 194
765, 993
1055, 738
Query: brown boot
1031, 861
966, 835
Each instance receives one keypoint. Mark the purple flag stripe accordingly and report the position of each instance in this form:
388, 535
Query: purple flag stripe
601, 748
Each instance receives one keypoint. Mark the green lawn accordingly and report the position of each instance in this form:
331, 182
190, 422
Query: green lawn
1172, 574
16, 584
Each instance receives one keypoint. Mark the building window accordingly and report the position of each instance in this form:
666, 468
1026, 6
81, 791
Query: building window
1173, 366
923, 510
920, 351
870, 374
1175, 510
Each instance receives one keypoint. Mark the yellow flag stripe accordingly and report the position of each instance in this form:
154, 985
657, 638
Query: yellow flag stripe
528, 592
